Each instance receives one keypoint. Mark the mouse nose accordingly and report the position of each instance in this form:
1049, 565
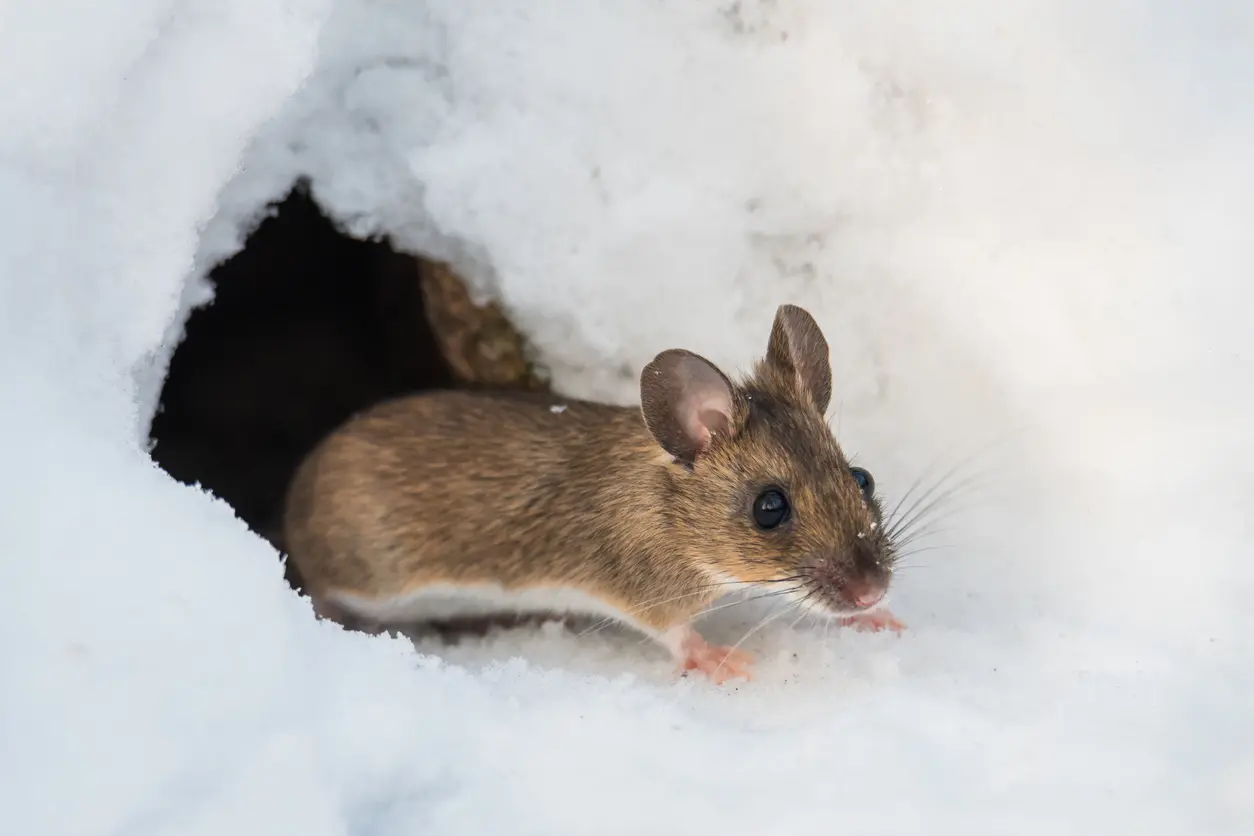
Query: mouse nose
868, 597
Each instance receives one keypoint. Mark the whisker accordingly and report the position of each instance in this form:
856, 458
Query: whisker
922, 476
797, 620
953, 471
923, 500
929, 529
704, 588
931, 548
924, 506
657, 602
892, 515
760, 625
912, 562
773, 594
898, 525
941, 516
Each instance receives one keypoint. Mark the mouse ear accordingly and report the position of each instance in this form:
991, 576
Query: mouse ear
799, 352
686, 401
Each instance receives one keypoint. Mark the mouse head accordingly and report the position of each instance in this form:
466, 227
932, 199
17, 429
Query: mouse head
762, 493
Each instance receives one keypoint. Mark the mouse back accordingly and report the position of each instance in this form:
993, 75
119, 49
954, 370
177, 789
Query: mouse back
479, 488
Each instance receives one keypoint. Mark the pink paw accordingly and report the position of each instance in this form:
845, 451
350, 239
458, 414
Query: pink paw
718, 663
874, 621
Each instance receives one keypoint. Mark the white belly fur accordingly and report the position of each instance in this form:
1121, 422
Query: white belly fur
453, 601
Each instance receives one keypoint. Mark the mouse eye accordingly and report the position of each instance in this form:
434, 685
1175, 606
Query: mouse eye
865, 481
770, 509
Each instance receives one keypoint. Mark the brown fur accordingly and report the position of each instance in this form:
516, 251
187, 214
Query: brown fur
461, 487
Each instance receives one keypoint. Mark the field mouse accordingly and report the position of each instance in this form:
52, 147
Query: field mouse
452, 504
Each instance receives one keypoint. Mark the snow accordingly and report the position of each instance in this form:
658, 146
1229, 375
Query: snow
1023, 227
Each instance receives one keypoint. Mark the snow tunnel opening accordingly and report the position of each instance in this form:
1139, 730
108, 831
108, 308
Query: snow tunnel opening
307, 326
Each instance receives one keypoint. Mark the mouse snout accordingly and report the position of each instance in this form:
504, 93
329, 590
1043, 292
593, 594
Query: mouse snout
843, 592
866, 595
850, 581
867, 581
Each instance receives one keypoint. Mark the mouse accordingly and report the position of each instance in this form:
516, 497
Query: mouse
470, 503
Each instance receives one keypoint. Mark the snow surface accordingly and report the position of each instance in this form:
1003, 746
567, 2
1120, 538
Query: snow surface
1024, 227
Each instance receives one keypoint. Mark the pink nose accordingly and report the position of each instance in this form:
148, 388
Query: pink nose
869, 598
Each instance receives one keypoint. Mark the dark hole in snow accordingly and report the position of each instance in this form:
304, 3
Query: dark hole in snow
307, 327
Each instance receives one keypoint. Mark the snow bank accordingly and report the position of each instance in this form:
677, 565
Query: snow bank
1023, 226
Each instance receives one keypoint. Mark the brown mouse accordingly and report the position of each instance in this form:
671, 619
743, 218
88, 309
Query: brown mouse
455, 504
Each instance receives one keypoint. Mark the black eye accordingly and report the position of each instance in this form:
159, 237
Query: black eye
865, 481
770, 508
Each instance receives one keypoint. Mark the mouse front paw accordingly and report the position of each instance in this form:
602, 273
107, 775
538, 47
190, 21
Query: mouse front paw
718, 663
873, 622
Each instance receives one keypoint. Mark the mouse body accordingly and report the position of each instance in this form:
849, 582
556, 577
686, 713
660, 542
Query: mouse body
447, 505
